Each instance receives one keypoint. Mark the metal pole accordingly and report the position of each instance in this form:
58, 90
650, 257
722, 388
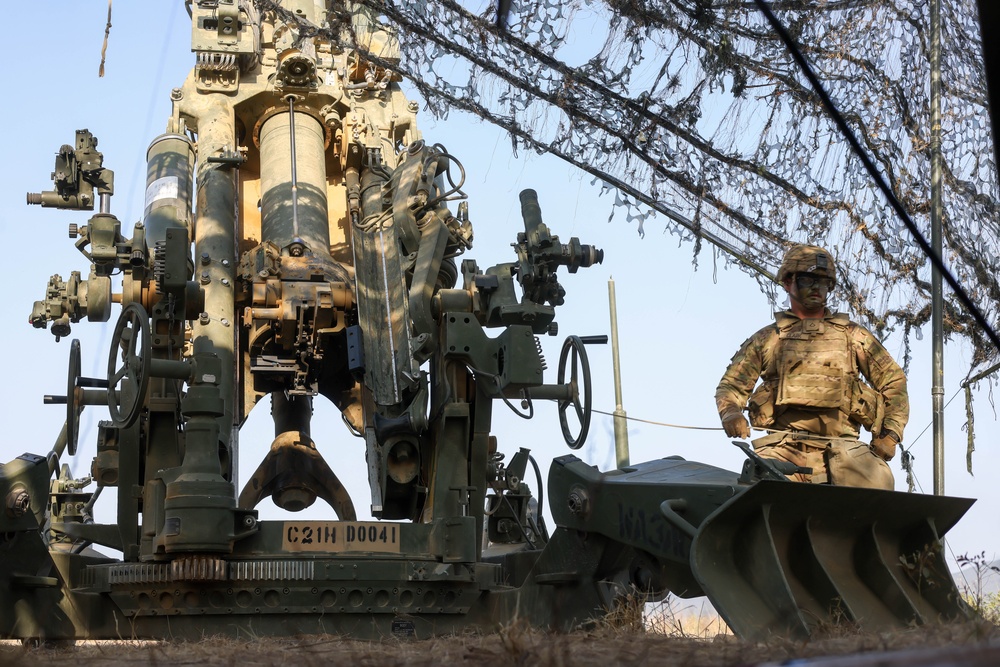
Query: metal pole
937, 299
621, 423
294, 175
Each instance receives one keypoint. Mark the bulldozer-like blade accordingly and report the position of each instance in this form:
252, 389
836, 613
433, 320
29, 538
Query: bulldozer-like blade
789, 559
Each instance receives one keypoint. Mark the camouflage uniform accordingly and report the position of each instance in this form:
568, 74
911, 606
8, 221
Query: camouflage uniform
823, 434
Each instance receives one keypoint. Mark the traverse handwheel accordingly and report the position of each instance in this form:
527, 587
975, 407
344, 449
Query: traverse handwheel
73, 405
71, 399
574, 354
76, 396
127, 382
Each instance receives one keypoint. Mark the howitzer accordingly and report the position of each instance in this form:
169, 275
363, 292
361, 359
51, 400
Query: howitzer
296, 244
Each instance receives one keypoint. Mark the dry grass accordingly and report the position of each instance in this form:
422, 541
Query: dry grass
685, 618
660, 637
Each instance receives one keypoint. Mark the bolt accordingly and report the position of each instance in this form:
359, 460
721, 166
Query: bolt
249, 521
206, 258
205, 278
413, 107
577, 501
225, 262
204, 318
225, 281
225, 322
18, 502
176, 94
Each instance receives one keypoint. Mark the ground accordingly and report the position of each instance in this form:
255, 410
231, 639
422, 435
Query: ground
672, 643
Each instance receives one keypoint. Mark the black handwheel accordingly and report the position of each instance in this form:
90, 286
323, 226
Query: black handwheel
73, 405
574, 351
75, 397
72, 398
131, 342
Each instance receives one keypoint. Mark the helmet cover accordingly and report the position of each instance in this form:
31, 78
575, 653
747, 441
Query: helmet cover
807, 259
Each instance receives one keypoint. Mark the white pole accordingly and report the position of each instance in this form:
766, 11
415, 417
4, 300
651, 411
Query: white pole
621, 423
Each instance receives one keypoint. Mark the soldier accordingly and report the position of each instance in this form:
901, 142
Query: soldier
811, 397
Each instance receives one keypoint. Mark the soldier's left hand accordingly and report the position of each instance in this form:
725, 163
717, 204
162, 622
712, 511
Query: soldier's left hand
884, 445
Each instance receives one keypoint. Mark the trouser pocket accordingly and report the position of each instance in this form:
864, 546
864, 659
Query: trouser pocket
852, 463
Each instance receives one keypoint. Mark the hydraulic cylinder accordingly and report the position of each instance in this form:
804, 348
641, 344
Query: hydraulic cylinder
169, 178
293, 193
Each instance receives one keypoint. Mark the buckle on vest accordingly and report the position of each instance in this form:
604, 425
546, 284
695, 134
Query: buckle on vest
815, 326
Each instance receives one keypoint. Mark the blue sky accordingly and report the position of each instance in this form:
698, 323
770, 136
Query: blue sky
678, 326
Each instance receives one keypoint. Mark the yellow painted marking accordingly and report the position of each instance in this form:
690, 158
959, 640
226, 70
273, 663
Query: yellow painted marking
340, 536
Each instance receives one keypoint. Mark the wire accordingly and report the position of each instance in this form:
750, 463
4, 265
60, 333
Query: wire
655, 423
455, 189
906, 459
914, 441
496, 382
350, 427
502, 498
373, 221
538, 479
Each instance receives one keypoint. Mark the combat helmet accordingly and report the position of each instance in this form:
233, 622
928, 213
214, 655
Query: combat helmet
807, 259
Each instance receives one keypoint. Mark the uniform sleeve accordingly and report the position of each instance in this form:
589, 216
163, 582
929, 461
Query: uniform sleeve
886, 377
740, 377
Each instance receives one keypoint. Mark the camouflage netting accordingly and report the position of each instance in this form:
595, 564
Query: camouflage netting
696, 114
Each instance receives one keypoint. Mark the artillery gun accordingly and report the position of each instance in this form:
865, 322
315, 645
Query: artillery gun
296, 243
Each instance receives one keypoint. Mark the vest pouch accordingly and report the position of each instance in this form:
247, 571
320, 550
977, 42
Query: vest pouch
867, 406
814, 371
761, 406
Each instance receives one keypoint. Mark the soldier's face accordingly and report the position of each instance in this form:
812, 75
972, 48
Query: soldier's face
809, 291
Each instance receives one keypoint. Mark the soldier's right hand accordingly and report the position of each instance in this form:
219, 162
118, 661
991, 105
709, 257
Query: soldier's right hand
736, 426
